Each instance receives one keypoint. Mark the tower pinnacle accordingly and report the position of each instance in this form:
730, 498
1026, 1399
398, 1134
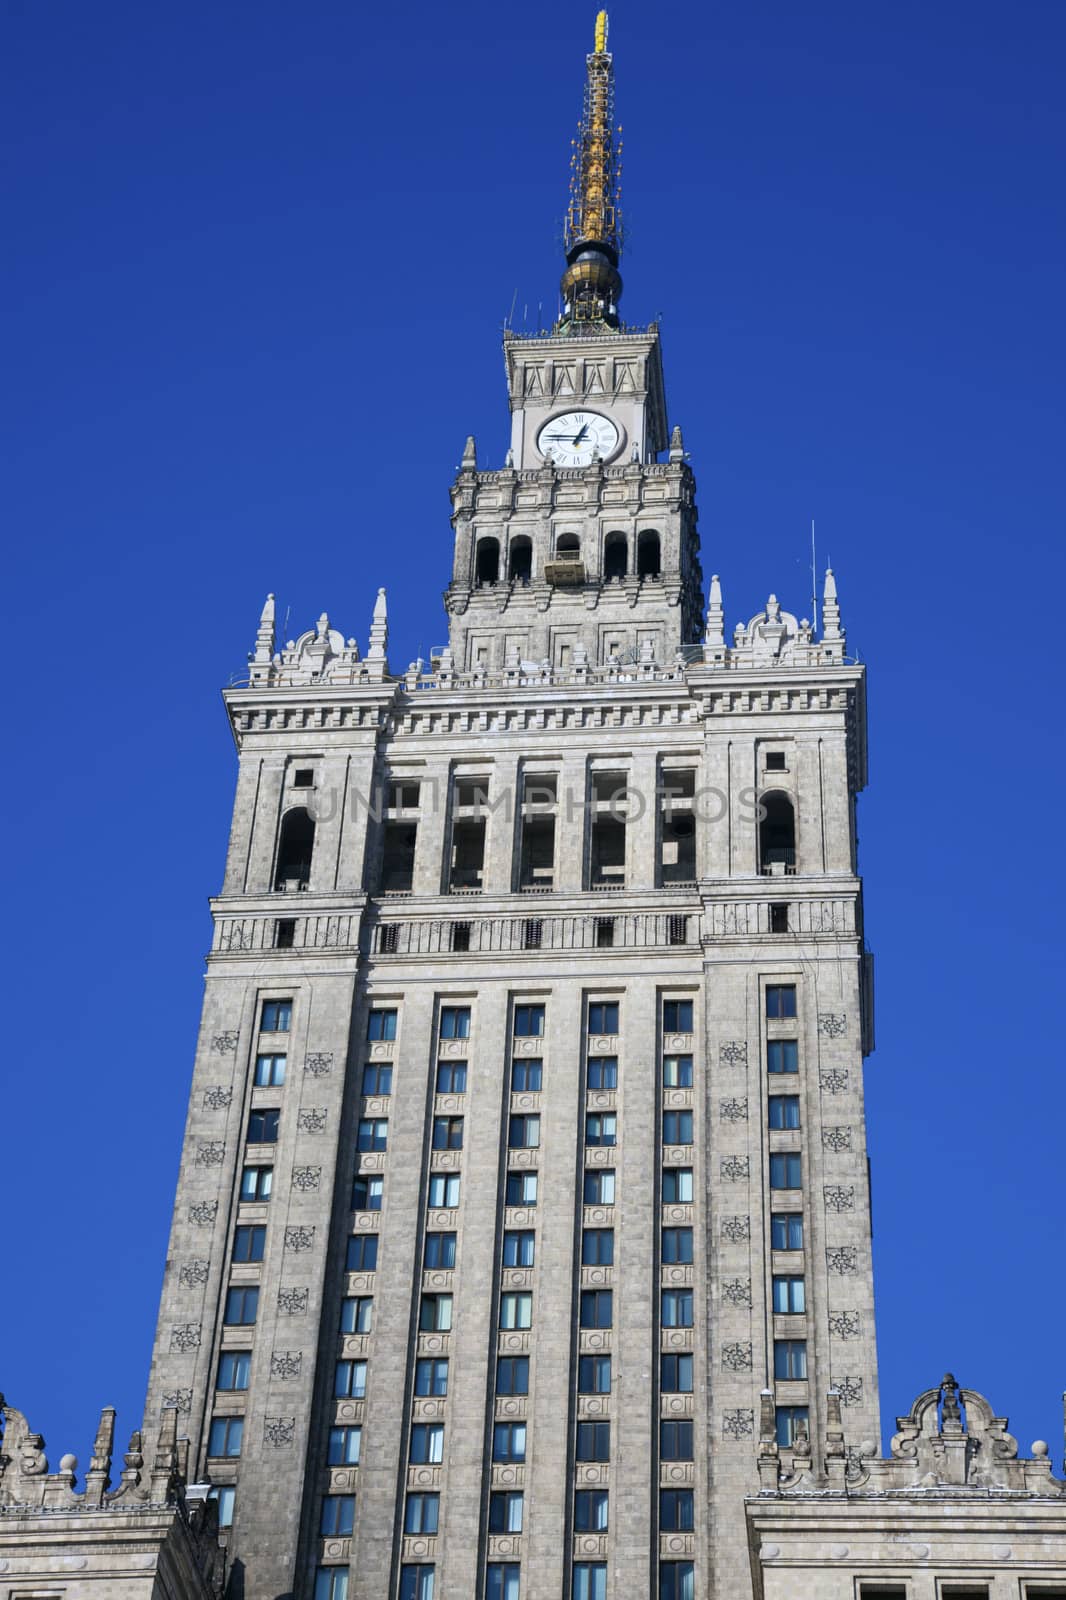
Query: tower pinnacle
591, 285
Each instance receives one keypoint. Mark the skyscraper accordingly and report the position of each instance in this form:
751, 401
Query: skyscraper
525, 1150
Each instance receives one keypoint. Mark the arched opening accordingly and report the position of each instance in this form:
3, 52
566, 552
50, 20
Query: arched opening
295, 849
568, 547
649, 558
615, 556
521, 563
487, 565
777, 834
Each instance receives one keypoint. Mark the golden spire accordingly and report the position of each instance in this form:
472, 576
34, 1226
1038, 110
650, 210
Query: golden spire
591, 285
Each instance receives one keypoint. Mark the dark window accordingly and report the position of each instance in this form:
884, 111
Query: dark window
786, 1230
349, 1380
377, 1078
676, 1580
786, 1170
224, 1497
677, 1016
460, 937
676, 1510
781, 1000
677, 1246
649, 559
603, 1016
596, 1309
367, 1192
451, 1077
601, 1128
594, 1375
249, 1243
791, 1420
357, 1313
427, 1442
487, 561
381, 1025
782, 1055
512, 1375
590, 1511
790, 1358
505, 1511
389, 938
677, 929
455, 1022
775, 761
421, 1513
440, 1252
521, 561
284, 933
784, 1111
303, 778
779, 918
597, 1247
343, 1449
362, 1252
615, 556
269, 1072
225, 1436
677, 1127
532, 933
675, 1373
599, 1186
789, 1296
593, 1441
444, 1190
519, 1248
295, 849
777, 834
431, 1376
257, 1183
509, 1441
604, 933
435, 1314
677, 1072
373, 1133
447, 1133
523, 1132
526, 1075
521, 1189
276, 1017
234, 1369
528, 1022
675, 1440
603, 1072
677, 1186
263, 1127
242, 1308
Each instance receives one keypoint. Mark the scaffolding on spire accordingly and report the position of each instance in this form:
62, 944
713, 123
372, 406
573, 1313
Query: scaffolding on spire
591, 284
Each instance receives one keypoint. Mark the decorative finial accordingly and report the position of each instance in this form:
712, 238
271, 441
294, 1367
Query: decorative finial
591, 285
677, 444
264, 639
714, 638
469, 462
830, 608
376, 658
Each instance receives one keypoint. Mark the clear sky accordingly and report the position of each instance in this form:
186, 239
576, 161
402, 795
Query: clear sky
258, 261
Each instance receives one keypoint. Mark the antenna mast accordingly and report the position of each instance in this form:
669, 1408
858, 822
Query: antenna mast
814, 579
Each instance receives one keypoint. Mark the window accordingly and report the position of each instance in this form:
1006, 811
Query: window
603, 1072
331, 1583
785, 1170
603, 1016
249, 1243
677, 1308
509, 1441
440, 1252
677, 1127
373, 1133
676, 1511
381, 1025
675, 1373
590, 1580
377, 1077
416, 1583
362, 1253
677, 1016
791, 1421
523, 1132
303, 778
790, 1358
786, 1230
677, 1072
460, 936
590, 1511
263, 1127
597, 1247
532, 928
421, 1513
593, 1441
435, 1315
269, 1071
779, 918
455, 1022
789, 1296
781, 1000
451, 1077
521, 1189
775, 761
389, 938
338, 1516
234, 1369
444, 1190
344, 1447
431, 1376
242, 1307
512, 1375
677, 929
601, 1127
276, 1016
368, 1190
526, 1076
784, 1111
677, 1186
516, 1310
505, 1511
596, 1310
224, 1438
677, 1246
518, 1248
357, 1313
256, 1183
677, 1580
675, 1440
427, 1442
349, 1380
447, 1133
604, 933
594, 1375
599, 1187
528, 1022
782, 1055
891, 1591
502, 1579
224, 1499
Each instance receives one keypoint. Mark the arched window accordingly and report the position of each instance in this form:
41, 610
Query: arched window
615, 556
777, 834
649, 559
568, 546
295, 849
487, 568
521, 563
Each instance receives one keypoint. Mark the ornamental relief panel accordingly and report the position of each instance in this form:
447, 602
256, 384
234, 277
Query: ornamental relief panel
337, 1550
424, 1477
453, 1048
522, 1158
737, 1357
355, 1344
677, 1099
594, 1405
444, 1105
342, 1479
849, 1390
676, 1339
511, 1341
381, 1050
832, 1025
677, 1044
436, 1280
510, 1407
217, 1097
185, 1336
369, 1221
737, 1291
452, 1160
678, 1544
676, 1405
833, 1080
845, 1324
601, 1099
837, 1140
671, 1213
677, 1274
210, 1153
590, 1472
839, 1197
595, 1216
599, 1155
733, 1110
843, 1259
194, 1273
738, 1424
350, 1411
504, 1544
733, 1053
312, 1119
203, 1214
673, 1472
176, 1400
292, 1302
590, 1544
224, 1044
437, 1344
306, 1179
735, 1168
677, 1155
603, 1044
360, 1283
286, 1364
372, 1160
735, 1229
527, 1047
593, 1276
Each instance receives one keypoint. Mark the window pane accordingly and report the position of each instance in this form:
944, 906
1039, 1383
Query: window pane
528, 1022
676, 1374
590, 1510
781, 1000
269, 1071
677, 1127
277, 1016
594, 1375
594, 1441
421, 1513
784, 1111
367, 1193
786, 1230
791, 1420
443, 1191
417, 1583
234, 1369
451, 1077
440, 1251
677, 1308
516, 1310
338, 1516
526, 1076
249, 1243
677, 1246
677, 1072
331, 1583
518, 1249
344, 1447
502, 1580
505, 1511
512, 1375
521, 1188
599, 1186
603, 1072
362, 1252
677, 1185
603, 1017
676, 1580
590, 1580
677, 1016
596, 1308
224, 1499
597, 1247
455, 1022
356, 1313
381, 1025
675, 1440
676, 1510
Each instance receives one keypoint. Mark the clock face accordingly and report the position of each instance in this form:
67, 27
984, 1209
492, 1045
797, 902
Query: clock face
572, 439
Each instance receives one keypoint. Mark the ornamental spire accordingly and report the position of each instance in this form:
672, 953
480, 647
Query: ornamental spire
591, 285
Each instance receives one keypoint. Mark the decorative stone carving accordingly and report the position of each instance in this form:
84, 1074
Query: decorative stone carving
733, 1053
176, 1399
842, 1258
736, 1229
736, 1357
299, 1238
210, 1153
193, 1273
185, 1336
834, 1080
224, 1044
737, 1291
845, 1324
738, 1424
849, 1389
286, 1363
832, 1024
217, 1098
735, 1167
836, 1139
733, 1110
839, 1197
292, 1302
312, 1119
203, 1213
279, 1431
318, 1063
306, 1178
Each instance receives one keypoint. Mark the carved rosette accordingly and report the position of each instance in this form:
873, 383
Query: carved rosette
737, 1291
834, 1080
286, 1364
193, 1273
839, 1197
736, 1229
185, 1336
735, 1167
737, 1357
845, 1324
305, 1179
733, 1110
299, 1238
217, 1097
836, 1139
224, 1044
849, 1390
279, 1431
733, 1053
293, 1302
738, 1424
842, 1259
203, 1213
832, 1024
210, 1153
318, 1063
176, 1400
312, 1119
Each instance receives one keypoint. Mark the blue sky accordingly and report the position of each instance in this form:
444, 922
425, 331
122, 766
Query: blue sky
258, 260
